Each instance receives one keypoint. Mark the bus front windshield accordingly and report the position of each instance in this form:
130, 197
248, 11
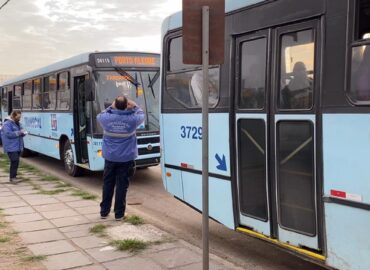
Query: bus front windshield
139, 86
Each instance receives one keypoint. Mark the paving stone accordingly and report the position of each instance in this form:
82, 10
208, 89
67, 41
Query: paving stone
69, 221
90, 241
67, 198
33, 226
60, 214
91, 267
41, 236
24, 218
96, 217
12, 204
26, 192
77, 234
161, 247
4, 189
32, 197
76, 228
10, 199
66, 261
108, 253
42, 201
197, 266
20, 188
82, 203
133, 263
175, 257
51, 207
88, 210
6, 194
19, 210
52, 248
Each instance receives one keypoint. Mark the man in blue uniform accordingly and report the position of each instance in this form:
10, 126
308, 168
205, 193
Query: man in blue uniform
119, 122
12, 136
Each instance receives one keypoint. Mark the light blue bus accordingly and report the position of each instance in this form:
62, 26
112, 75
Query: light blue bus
60, 103
289, 126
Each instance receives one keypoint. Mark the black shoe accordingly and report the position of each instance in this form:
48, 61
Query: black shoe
104, 216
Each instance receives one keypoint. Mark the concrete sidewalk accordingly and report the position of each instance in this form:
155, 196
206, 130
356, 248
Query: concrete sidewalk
55, 220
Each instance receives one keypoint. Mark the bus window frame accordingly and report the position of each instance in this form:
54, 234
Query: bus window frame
47, 77
69, 88
352, 42
24, 83
166, 64
20, 97
40, 79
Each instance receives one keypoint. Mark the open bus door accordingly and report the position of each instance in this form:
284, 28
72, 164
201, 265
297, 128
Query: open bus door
10, 102
81, 121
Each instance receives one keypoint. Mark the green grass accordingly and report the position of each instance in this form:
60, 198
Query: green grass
84, 195
131, 245
52, 192
98, 229
28, 168
134, 220
2, 225
34, 258
62, 185
49, 178
4, 239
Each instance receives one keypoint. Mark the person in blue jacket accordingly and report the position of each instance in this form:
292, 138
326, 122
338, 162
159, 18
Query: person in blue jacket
119, 122
12, 136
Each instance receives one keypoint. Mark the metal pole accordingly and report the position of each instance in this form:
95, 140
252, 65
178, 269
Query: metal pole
205, 157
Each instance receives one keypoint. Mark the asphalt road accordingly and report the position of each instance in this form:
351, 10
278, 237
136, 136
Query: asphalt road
148, 199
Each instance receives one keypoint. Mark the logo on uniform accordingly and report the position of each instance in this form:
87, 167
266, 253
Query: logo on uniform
54, 122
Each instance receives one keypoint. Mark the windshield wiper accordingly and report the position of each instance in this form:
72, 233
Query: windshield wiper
152, 82
128, 77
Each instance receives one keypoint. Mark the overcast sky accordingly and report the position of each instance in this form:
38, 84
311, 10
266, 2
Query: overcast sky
35, 33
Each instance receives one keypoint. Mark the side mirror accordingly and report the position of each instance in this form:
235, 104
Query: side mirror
90, 89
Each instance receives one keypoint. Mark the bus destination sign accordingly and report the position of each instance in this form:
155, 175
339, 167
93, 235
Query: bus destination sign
126, 60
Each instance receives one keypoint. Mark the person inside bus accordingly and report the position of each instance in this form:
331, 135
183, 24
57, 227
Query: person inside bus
119, 122
12, 137
297, 94
196, 85
363, 77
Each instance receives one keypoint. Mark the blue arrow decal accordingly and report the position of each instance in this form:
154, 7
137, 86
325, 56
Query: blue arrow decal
222, 162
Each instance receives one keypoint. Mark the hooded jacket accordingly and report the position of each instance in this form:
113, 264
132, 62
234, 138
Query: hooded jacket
12, 137
119, 140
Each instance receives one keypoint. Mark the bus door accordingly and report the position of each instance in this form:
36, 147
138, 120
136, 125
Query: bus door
10, 101
80, 120
276, 85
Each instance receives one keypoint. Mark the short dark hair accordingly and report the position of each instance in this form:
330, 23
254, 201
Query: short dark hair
15, 113
121, 103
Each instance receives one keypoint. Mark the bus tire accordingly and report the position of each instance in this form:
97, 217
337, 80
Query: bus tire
26, 153
68, 160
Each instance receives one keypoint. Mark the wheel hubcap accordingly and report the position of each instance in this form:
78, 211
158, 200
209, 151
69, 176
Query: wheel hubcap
68, 157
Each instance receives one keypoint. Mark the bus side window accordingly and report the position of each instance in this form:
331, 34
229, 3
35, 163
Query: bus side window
4, 99
184, 83
49, 95
359, 89
27, 96
17, 97
63, 92
36, 95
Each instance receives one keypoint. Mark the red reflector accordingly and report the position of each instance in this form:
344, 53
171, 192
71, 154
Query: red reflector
337, 193
184, 165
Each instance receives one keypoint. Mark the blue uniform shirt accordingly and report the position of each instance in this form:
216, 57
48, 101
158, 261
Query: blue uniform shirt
119, 141
12, 137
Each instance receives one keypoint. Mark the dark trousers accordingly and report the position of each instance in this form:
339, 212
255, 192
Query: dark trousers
14, 163
116, 174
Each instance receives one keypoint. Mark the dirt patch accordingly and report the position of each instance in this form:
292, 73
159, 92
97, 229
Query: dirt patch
14, 255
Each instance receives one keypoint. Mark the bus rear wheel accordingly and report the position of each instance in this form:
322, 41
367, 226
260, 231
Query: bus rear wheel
68, 160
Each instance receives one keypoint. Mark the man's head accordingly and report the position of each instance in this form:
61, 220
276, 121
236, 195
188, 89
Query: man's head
121, 103
16, 116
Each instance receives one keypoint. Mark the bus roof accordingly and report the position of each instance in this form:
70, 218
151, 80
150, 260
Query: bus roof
69, 62
175, 20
